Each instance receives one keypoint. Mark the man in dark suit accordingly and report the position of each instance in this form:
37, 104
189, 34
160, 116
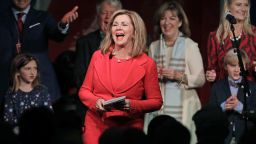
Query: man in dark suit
228, 95
88, 44
26, 30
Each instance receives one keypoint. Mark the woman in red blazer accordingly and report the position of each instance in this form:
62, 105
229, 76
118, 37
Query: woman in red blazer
120, 68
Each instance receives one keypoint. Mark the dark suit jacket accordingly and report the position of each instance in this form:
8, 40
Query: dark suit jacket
85, 47
220, 92
38, 28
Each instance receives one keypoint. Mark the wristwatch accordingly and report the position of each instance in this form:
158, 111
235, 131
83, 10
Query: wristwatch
62, 25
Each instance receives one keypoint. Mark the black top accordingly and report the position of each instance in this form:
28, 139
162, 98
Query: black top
17, 102
85, 47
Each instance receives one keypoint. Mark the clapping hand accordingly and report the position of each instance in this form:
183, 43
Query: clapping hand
254, 65
172, 74
231, 103
210, 75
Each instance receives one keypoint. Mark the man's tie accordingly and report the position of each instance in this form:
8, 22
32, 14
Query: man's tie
20, 28
20, 22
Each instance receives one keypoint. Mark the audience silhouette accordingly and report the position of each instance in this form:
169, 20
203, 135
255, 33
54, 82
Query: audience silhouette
117, 135
211, 125
37, 125
7, 135
166, 129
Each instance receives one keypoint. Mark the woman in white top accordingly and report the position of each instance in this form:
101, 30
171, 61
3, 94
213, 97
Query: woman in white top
180, 66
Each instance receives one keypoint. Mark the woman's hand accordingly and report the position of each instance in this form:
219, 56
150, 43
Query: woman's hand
123, 106
127, 105
99, 105
172, 74
254, 65
210, 75
159, 71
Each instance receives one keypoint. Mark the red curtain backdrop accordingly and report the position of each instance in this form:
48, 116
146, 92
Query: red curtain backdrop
203, 16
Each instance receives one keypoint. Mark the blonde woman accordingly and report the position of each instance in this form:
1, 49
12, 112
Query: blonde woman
222, 40
120, 68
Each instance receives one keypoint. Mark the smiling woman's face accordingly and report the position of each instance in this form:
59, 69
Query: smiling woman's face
122, 30
239, 9
170, 23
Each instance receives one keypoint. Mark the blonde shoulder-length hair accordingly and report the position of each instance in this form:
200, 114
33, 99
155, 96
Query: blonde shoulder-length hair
139, 34
224, 26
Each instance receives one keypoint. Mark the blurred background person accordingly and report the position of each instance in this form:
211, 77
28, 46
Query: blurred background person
120, 68
179, 64
211, 125
164, 129
221, 40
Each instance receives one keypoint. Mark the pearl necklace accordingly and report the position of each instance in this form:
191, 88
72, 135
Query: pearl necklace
237, 38
122, 60
119, 60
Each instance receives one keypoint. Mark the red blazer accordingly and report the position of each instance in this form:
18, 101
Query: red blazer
139, 83
216, 52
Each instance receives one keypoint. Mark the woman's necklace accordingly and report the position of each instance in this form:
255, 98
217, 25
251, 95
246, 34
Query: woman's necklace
237, 37
171, 42
117, 54
238, 33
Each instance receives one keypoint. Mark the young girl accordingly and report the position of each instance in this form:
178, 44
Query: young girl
25, 92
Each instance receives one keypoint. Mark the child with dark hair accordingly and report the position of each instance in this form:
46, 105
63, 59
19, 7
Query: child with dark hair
25, 89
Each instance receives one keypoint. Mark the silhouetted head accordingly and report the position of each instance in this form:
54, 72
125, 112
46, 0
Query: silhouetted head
6, 134
211, 124
37, 125
164, 128
117, 135
112, 135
